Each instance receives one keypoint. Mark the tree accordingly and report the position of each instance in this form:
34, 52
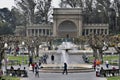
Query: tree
20, 19
5, 29
7, 19
1, 51
28, 9
97, 43
35, 11
71, 3
44, 10
109, 13
116, 8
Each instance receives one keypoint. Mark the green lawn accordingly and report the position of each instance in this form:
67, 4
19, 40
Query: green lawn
9, 78
114, 78
108, 57
19, 58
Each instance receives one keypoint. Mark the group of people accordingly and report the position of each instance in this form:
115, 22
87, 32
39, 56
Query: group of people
19, 72
16, 49
98, 62
98, 68
43, 59
35, 68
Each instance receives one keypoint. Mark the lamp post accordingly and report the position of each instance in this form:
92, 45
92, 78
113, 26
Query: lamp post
23, 43
5, 58
31, 52
117, 15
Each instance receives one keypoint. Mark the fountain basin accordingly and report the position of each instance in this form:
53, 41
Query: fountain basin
72, 68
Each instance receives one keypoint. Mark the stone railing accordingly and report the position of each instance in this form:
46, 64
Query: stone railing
96, 25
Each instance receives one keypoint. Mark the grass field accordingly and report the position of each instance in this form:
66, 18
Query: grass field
19, 58
114, 78
9, 78
110, 58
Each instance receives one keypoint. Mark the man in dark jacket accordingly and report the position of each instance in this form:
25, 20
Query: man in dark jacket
65, 68
52, 58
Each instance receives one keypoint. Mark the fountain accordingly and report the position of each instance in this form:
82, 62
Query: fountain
64, 57
63, 50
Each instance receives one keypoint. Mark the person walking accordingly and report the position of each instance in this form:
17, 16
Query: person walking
33, 66
65, 68
52, 58
36, 70
98, 71
30, 61
107, 64
94, 64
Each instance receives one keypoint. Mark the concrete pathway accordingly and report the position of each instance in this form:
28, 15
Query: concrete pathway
60, 76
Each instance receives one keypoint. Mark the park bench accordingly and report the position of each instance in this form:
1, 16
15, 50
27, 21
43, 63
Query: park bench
18, 73
109, 72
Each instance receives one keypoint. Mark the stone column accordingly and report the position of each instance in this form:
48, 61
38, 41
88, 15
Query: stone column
27, 30
80, 25
96, 31
85, 32
92, 31
30, 32
42, 32
100, 31
54, 27
38, 32
34, 32
45, 32
49, 32
107, 31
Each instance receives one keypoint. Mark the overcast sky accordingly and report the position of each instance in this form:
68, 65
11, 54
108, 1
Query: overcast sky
10, 3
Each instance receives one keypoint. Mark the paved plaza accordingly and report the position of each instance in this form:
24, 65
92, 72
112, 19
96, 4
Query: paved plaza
60, 76
70, 76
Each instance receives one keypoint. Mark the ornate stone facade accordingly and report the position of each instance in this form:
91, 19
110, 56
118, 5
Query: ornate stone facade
67, 21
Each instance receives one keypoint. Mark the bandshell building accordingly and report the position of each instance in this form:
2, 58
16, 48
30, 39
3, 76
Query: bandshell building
66, 21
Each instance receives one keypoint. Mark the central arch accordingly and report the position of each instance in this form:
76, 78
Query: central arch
67, 28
